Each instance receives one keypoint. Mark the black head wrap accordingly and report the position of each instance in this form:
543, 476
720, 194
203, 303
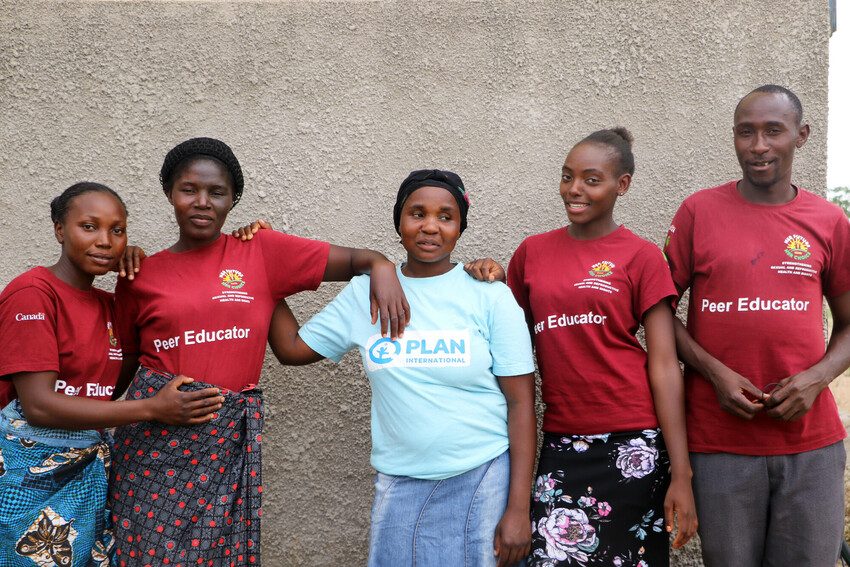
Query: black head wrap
202, 147
432, 178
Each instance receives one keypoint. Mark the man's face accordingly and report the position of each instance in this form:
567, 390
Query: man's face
767, 130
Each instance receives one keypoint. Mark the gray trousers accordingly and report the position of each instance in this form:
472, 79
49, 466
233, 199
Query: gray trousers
776, 511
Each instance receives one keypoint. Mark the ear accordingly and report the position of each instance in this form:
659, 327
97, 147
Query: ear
59, 232
802, 135
623, 184
168, 196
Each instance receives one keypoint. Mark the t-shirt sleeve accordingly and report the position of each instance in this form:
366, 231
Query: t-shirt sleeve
330, 331
516, 277
126, 315
510, 343
837, 280
651, 281
679, 247
28, 333
293, 264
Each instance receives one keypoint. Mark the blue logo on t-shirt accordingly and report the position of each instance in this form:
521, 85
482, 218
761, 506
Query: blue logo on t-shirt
379, 352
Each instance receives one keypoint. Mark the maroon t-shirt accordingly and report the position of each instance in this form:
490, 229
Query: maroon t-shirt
47, 325
205, 313
585, 300
757, 275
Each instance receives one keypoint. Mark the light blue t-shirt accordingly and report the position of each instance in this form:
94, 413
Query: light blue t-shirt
437, 410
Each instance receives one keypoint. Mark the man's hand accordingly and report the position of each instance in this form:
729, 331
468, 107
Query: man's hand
736, 394
795, 395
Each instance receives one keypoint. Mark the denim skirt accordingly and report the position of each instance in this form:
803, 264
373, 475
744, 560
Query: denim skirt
439, 523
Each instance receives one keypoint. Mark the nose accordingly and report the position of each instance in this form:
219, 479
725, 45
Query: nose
429, 224
760, 143
202, 200
104, 239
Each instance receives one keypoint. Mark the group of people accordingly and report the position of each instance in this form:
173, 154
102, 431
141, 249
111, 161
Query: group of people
749, 440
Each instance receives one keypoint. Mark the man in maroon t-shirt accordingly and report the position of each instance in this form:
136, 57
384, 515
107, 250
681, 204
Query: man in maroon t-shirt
759, 255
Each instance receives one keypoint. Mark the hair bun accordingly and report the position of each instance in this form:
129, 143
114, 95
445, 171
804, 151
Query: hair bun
624, 134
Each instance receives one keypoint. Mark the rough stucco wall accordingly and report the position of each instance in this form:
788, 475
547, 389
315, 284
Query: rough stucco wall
329, 105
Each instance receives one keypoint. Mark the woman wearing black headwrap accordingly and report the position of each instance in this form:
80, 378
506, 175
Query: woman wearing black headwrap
202, 307
448, 399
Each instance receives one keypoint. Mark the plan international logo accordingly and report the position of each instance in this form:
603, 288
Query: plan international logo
419, 349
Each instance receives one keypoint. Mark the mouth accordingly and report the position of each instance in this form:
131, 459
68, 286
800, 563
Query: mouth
101, 259
760, 165
573, 206
428, 245
201, 220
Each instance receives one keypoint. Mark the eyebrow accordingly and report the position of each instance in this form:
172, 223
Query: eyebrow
585, 171
768, 123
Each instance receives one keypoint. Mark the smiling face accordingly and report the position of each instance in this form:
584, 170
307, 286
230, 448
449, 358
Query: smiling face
93, 235
590, 185
202, 195
767, 130
429, 227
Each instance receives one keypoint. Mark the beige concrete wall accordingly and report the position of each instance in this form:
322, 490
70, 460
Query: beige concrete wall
329, 105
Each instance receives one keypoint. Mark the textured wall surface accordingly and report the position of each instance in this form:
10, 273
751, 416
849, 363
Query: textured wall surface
329, 105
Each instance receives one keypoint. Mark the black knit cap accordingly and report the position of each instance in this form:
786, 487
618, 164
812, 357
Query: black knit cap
202, 147
432, 178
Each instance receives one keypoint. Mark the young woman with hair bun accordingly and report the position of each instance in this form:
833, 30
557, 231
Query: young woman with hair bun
614, 466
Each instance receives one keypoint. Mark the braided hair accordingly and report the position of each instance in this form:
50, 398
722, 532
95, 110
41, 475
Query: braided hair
59, 205
186, 153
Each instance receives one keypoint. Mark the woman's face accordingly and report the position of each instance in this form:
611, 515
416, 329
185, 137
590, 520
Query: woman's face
93, 233
590, 184
202, 195
430, 228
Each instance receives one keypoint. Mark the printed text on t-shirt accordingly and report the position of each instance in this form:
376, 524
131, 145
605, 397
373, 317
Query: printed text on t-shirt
563, 320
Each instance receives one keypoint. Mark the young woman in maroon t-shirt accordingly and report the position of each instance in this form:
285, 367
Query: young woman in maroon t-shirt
606, 491
59, 360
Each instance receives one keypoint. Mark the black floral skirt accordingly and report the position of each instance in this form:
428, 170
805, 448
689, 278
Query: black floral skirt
599, 500
189, 495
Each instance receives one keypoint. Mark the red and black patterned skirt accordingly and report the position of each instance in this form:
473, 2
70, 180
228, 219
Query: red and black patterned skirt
189, 496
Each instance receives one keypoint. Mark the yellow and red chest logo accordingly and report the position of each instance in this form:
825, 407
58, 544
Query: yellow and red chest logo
602, 269
797, 247
112, 340
232, 279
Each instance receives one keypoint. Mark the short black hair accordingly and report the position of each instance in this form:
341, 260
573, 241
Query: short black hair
620, 140
184, 154
59, 205
777, 89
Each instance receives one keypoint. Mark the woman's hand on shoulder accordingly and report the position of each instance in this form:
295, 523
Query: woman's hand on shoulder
485, 270
248, 231
679, 502
512, 543
387, 300
175, 407
130, 263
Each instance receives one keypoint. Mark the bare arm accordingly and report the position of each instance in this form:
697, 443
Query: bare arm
668, 394
796, 394
513, 534
729, 386
386, 296
287, 345
44, 407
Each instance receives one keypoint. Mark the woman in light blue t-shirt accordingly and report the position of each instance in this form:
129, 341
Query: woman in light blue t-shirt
453, 425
